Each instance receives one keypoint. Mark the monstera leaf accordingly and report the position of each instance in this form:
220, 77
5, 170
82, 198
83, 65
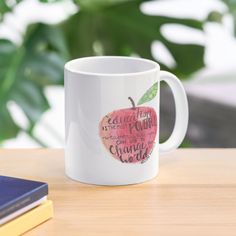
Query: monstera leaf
120, 28
25, 70
101, 27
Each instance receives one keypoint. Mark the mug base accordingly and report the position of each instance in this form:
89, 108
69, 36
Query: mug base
106, 183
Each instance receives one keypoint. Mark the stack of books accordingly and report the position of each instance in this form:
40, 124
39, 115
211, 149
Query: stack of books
23, 205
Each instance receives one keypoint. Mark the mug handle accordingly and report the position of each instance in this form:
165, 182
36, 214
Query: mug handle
181, 111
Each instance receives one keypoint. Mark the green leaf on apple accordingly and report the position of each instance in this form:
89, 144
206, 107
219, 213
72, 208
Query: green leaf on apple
149, 94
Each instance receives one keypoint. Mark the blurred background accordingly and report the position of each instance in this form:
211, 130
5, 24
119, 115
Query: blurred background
193, 39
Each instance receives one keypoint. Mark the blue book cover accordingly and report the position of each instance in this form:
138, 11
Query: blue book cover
17, 193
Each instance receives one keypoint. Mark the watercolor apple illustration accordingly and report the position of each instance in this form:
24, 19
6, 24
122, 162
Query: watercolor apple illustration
129, 134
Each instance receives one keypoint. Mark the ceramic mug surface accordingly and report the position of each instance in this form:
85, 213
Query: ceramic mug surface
112, 119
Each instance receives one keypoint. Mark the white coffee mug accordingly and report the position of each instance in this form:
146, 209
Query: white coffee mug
112, 119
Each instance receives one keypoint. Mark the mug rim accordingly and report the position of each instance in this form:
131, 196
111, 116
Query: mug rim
155, 66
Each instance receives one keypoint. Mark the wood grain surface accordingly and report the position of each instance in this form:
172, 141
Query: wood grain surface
194, 194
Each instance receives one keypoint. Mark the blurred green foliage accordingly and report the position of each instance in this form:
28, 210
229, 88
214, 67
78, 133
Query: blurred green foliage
232, 10
101, 27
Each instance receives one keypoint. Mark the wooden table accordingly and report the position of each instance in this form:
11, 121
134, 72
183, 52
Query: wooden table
194, 194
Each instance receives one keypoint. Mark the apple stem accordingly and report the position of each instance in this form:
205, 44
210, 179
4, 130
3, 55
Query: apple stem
132, 101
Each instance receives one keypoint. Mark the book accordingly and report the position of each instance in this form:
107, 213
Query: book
16, 194
29, 220
22, 210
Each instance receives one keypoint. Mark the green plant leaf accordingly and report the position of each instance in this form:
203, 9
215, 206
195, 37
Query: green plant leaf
49, 1
102, 27
120, 28
4, 7
7, 6
149, 94
98, 4
25, 71
8, 128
